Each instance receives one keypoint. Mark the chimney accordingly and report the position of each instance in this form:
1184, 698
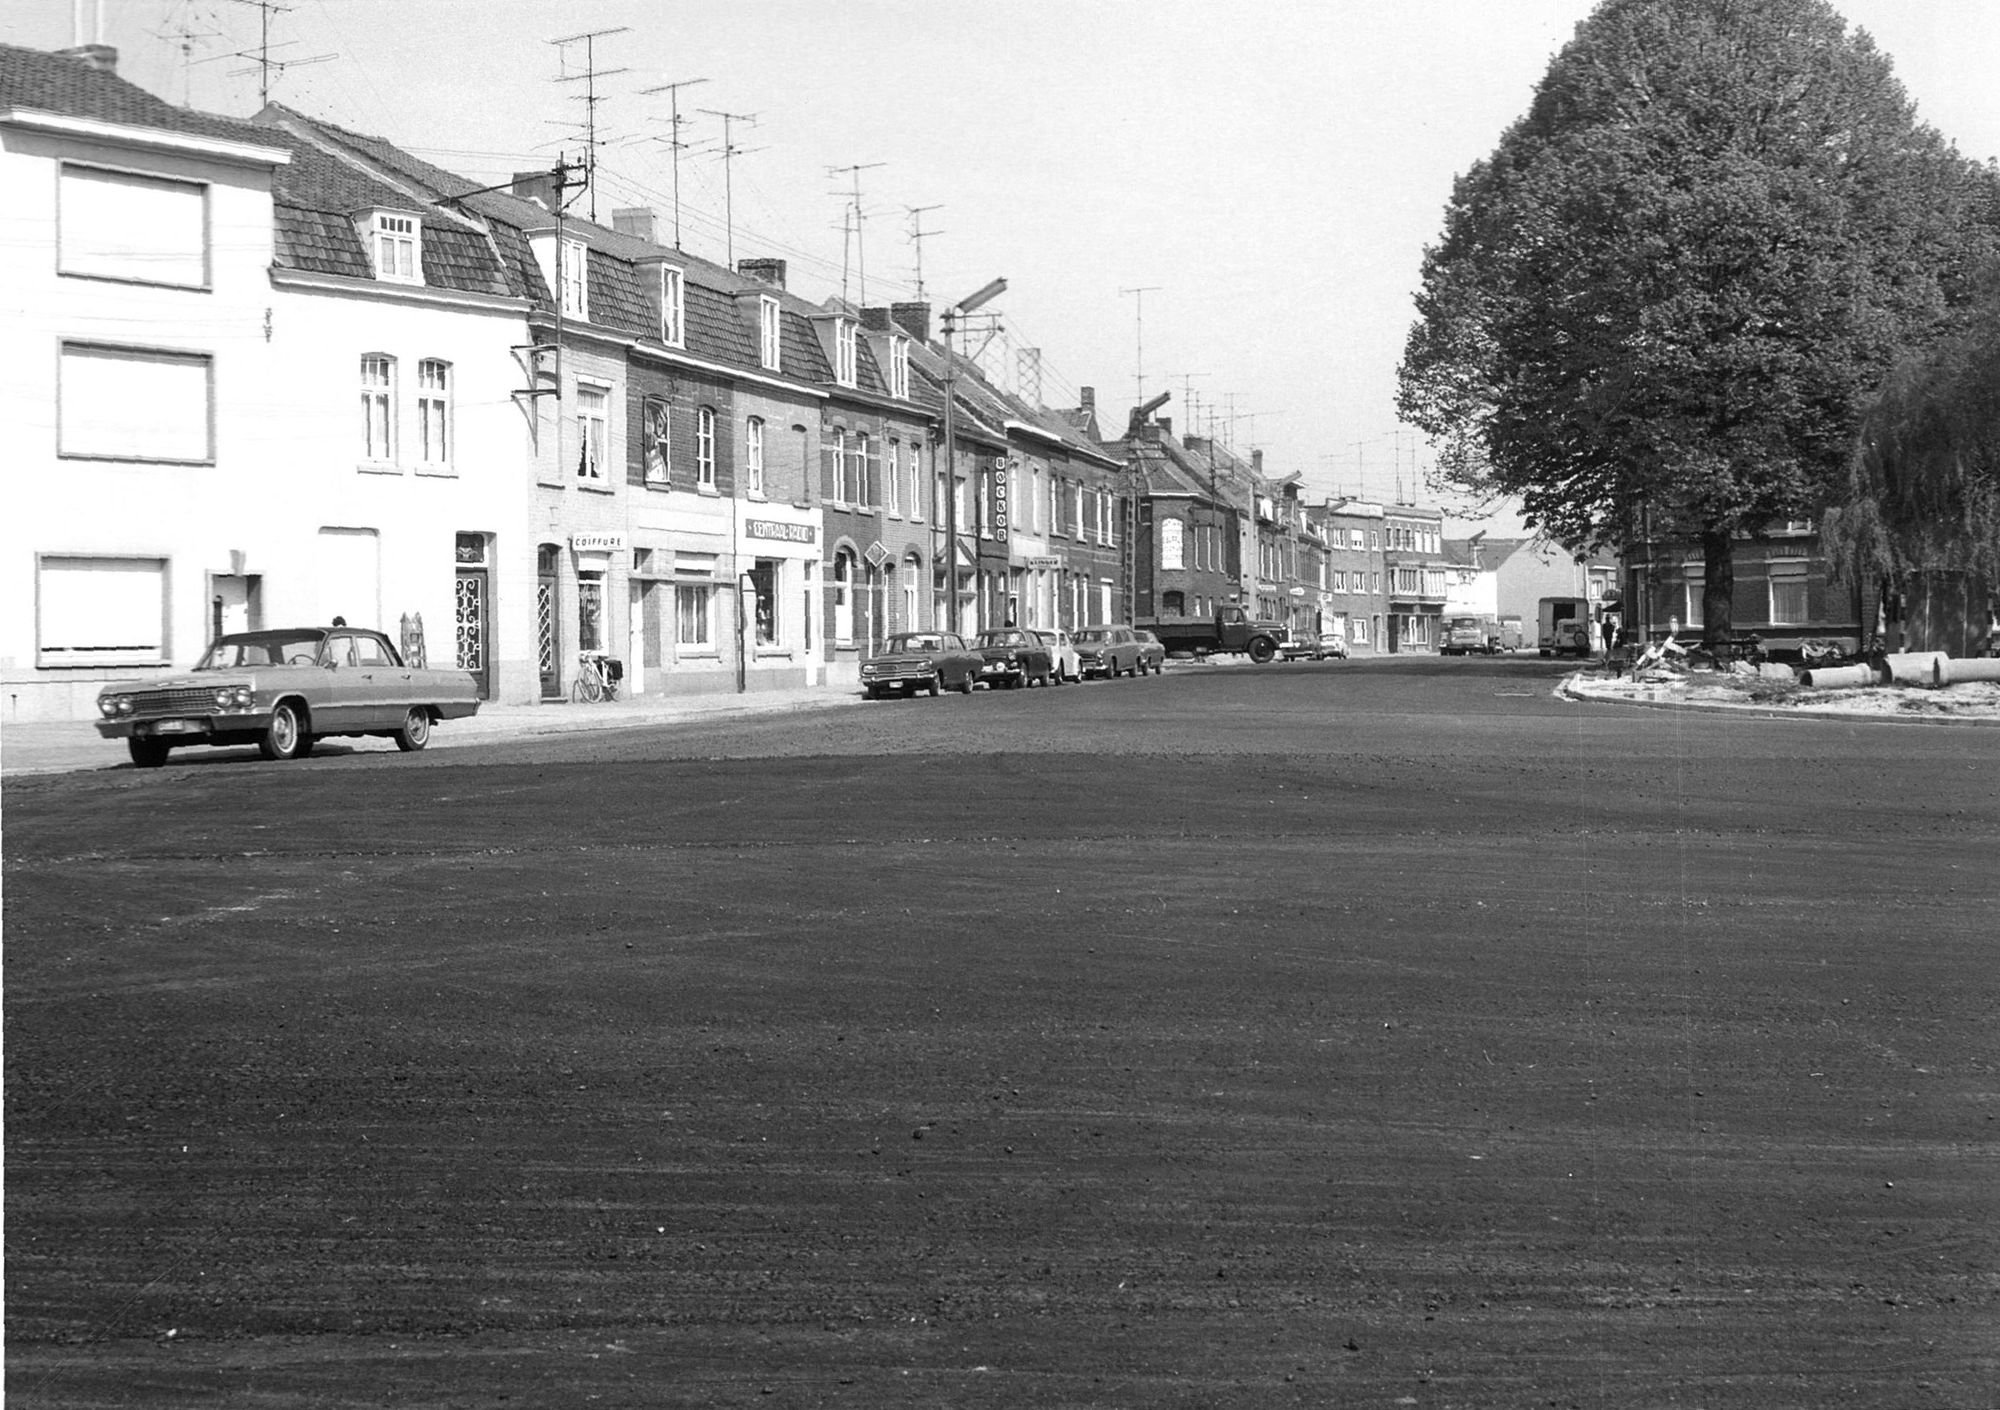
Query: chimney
636, 221
101, 57
1089, 395
765, 271
914, 319
876, 320
1165, 423
536, 186
1256, 462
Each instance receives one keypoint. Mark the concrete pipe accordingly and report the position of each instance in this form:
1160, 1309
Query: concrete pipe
1834, 677
1951, 670
1912, 667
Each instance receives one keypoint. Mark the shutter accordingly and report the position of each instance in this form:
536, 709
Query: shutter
635, 446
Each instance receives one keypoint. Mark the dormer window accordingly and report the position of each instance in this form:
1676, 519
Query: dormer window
398, 255
846, 355
673, 307
575, 284
899, 368
767, 329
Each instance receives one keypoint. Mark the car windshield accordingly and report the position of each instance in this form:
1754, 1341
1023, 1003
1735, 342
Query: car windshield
1090, 636
913, 641
233, 653
1003, 638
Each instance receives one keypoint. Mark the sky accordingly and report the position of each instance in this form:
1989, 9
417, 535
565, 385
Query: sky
1224, 201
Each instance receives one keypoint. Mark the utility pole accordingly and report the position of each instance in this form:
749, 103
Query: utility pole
1139, 327
674, 143
917, 237
729, 152
591, 73
950, 322
860, 256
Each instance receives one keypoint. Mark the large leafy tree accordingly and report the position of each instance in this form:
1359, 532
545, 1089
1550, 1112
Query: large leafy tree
1669, 291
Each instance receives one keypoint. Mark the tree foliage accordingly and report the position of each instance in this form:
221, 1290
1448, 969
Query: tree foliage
1676, 281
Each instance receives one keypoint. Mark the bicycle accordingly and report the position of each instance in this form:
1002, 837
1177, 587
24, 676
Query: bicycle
597, 677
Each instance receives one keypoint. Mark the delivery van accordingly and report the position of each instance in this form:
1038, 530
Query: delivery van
1563, 627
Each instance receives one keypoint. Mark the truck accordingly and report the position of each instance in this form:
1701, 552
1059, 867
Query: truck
1231, 630
1563, 627
1465, 635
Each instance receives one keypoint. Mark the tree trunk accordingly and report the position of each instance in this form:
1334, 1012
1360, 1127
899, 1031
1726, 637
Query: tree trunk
1945, 610
1718, 586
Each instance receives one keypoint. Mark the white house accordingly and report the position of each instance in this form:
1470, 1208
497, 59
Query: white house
139, 306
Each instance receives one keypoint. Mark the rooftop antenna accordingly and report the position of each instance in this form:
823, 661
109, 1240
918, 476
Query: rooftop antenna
591, 73
262, 53
674, 143
729, 151
1188, 396
1028, 375
1139, 329
917, 236
182, 35
860, 259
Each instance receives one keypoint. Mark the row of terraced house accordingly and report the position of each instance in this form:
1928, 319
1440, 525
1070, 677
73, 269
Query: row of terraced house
275, 372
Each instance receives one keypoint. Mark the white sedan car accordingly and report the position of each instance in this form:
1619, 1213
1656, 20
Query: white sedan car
1062, 652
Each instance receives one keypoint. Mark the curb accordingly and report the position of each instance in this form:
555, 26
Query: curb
1567, 690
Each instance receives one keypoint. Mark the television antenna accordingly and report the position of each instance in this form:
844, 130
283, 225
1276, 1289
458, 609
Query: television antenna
1139, 331
674, 143
591, 73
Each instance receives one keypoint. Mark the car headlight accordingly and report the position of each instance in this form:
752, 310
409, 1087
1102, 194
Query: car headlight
233, 697
926, 664
107, 706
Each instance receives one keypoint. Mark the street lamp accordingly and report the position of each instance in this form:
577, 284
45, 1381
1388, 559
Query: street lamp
950, 318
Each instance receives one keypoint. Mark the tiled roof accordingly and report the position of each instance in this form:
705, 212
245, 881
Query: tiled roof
517, 262
715, 329
799, 350
319, 242
615, 300
54, 83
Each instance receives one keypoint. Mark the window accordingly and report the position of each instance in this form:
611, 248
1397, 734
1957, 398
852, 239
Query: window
378, 408
434, 413
916, 480
843, 598
753, 455
1788, 594
113, 225
892, 479
1171, 551
590, 428
693, 607
575, 280
135, 404
899, 368
1375, 582
100, 611
846, 355
1695, 576
393, 242
673, 307
1374, 538
864, 467
767, 330
704, 447
833, 467
658, 451
1076, 509
1173, 604
913, 576
853, 468
764, 600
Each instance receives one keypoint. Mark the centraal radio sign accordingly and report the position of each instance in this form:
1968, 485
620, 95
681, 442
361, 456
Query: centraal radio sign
777, 529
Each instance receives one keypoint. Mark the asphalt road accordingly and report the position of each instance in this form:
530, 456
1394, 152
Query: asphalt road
1312, 1035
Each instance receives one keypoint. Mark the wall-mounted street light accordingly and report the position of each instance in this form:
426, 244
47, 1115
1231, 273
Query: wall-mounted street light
978, 299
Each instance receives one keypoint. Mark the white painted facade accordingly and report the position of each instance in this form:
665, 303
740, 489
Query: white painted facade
139, 391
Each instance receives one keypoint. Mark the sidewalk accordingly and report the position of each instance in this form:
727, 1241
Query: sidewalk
67, 746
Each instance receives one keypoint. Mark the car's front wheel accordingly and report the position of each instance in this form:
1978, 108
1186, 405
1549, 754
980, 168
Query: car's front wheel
285, 737
416, 730
146, 753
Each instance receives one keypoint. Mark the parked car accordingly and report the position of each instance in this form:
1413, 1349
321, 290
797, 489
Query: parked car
914, 661
1108, 651
283, 691
1332, 646
1062, 654
1013, 657
1294, 647
1152, 653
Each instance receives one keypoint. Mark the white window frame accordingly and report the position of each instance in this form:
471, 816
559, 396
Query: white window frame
87, 250
1173, 544
395, 244
843, 598
917, 481
753, 456
434, 420
378, 409
769, 340
704, 447
657, 429
1694, 583
846, 352
54, 618
694, 630
899, 368
1793, 577
856, 478
593, 422
575, 279
673, 306
892, 479
83, 435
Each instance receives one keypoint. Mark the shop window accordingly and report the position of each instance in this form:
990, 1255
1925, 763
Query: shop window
764, 600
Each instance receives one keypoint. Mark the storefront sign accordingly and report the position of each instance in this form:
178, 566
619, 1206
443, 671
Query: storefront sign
774, 529
597, 543
1045, 560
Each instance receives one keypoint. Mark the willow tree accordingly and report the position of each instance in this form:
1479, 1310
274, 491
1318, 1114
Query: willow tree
1923, 500
1671, 288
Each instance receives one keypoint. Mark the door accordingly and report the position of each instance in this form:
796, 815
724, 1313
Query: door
469, 625
547, 653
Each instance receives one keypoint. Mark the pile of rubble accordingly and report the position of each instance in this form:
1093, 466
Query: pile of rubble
1924, 685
